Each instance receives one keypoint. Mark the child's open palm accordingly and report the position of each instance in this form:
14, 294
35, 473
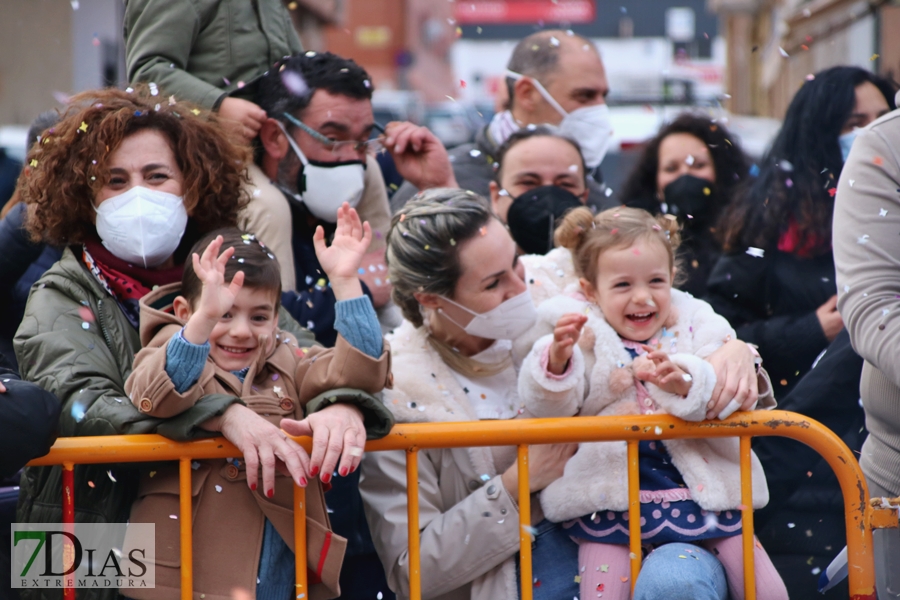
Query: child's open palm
565, 336
342, 258
216, 298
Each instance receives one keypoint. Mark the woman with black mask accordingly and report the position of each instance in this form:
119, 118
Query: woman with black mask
540, 175
690, 171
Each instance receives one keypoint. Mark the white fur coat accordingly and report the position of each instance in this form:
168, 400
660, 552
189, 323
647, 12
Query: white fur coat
600, 382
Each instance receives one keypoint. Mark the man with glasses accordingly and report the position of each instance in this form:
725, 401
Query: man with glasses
317, 147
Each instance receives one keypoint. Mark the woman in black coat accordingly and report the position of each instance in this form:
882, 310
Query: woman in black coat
775, 282
689, 170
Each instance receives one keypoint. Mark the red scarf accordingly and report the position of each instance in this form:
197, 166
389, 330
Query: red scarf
790, 242
126, 282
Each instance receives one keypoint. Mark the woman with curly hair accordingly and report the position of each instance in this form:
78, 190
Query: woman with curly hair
127, 182
690, 170
776, 286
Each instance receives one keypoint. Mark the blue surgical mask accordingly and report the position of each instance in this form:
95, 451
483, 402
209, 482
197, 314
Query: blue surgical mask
846, 142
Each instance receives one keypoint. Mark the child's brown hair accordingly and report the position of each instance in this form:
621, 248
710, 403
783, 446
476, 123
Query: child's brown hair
260, 267
587, 235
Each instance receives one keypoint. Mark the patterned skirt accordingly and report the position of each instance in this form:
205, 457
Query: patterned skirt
668, 514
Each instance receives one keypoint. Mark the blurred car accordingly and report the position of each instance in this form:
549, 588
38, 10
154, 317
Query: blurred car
13, 139
453, 123
398, 105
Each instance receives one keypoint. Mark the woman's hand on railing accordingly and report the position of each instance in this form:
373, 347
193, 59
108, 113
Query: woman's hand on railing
338, 432
545, 465
263, 444
736, 382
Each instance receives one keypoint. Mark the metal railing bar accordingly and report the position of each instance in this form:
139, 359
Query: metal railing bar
634, 511
525, 529
412, 437
412, 515
68, 484
747, 520
185, 517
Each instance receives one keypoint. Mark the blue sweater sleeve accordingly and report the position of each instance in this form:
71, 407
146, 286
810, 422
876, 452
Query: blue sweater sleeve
185, 362
356, 320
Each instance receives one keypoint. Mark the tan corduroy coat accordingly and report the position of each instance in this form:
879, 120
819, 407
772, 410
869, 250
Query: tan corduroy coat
228, 518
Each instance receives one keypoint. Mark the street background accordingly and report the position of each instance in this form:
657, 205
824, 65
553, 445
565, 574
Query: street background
440, 62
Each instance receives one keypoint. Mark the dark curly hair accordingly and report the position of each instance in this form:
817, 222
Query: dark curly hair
799, 174
66, 171
288, 87
730, 163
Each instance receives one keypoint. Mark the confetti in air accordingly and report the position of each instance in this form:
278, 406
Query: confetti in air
294, 83
756, 252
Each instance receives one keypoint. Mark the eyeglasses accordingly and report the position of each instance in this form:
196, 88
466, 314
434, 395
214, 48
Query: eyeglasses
372, 146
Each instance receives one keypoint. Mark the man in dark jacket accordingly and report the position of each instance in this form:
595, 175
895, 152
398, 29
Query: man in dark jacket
553, 78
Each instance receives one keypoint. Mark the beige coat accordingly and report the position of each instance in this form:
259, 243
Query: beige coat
867, 263
228, 519
469, 524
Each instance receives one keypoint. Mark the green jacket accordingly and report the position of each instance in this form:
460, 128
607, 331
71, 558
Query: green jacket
202, 50
76, 342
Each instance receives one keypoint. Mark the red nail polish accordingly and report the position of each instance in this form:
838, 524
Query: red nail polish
353, 469
326, 477
253, 486
270, 493
344, 471
314, 471
303, 482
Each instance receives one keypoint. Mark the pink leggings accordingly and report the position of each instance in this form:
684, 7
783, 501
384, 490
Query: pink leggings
605, 568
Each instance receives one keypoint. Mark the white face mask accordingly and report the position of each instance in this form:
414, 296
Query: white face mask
507, 321
142, 226
324, 187
589, 125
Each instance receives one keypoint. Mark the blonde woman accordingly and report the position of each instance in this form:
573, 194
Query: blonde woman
465, 297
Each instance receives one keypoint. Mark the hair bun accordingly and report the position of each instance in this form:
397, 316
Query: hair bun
571, 231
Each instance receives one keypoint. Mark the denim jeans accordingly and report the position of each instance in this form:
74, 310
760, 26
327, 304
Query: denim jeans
554, 559
665, 575
277, 568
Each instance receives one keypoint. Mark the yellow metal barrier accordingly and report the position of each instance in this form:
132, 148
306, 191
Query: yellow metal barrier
861, 515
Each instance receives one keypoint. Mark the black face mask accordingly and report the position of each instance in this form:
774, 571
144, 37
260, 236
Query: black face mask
534, 215
689, 195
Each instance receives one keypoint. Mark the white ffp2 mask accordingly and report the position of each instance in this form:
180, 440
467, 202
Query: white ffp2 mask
589, 125
142, 226
324, 187
507, 321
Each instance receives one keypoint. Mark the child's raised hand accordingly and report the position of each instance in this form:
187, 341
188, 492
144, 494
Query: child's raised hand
217, 297
565, 336
341, 260
657, 368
